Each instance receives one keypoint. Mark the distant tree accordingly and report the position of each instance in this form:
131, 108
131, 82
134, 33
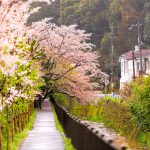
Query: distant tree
49, 11
147, 29
114, 13
97, 16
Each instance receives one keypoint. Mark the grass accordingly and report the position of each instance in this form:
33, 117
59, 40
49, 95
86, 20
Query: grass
19, 137
112, 99
67, 141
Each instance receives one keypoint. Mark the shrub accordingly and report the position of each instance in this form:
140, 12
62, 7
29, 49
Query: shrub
113, 112
139, 100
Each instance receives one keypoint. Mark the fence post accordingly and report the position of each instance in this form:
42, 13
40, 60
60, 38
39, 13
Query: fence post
1, 144
26, 117
22, 121
19, 122
8, 129
13, 132
15, 124
12, 124
32, 107
28, 114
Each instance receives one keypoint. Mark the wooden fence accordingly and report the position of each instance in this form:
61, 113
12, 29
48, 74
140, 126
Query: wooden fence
14, 124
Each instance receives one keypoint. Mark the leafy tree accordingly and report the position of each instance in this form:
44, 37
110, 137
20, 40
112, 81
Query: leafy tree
114, 13
50, 11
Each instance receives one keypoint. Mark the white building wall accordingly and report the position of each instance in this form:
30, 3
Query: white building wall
148, 66
127, 71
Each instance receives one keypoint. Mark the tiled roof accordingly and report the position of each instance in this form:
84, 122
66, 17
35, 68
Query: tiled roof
145, 53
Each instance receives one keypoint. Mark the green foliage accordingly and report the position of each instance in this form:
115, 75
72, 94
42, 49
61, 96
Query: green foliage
109, 110
105, 43
51, 11
114, 12
140, 102
112, 99
147, 29
68, 144
145, 138
17, 90
113, 112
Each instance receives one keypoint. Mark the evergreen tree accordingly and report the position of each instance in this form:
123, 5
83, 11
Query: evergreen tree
147, 29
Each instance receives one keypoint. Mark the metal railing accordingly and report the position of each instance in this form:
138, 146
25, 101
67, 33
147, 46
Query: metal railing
82, 136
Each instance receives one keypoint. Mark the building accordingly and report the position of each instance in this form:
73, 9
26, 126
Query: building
131, 65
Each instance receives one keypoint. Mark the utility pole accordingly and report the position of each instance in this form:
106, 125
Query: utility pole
112, 35
138, 25
133, 57
139, 44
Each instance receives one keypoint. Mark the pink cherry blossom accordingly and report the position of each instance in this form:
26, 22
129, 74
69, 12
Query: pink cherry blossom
72, 63
70, 56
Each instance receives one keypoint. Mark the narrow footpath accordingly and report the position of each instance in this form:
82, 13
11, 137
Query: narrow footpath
44, 135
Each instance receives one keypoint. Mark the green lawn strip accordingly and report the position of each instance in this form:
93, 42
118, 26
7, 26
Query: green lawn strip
19, 137
67, 141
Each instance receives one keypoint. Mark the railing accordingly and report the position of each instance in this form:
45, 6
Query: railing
82, 137
14, 124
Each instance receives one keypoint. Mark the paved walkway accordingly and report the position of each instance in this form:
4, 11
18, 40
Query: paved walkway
44, 135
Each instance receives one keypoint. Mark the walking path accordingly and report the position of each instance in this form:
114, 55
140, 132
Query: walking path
44, 135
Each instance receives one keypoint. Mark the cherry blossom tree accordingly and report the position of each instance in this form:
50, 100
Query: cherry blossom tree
13, 17
16, 67
19, 79
70, 65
